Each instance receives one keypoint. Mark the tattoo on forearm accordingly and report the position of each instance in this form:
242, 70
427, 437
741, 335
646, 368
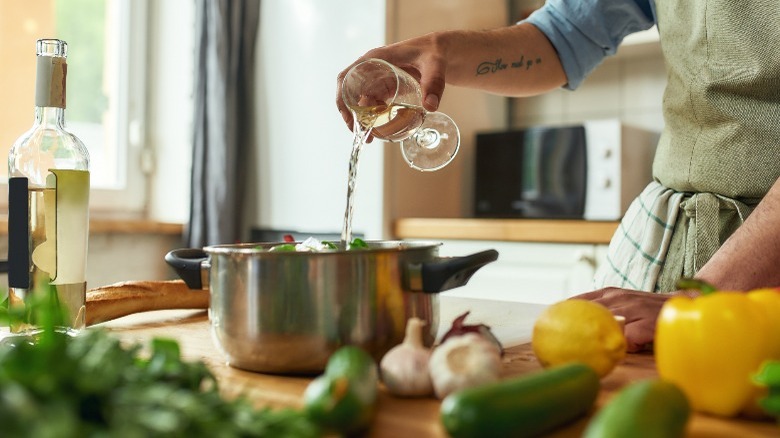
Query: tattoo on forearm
498, 65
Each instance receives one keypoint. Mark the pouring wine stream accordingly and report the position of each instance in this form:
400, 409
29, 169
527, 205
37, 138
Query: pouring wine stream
361, 130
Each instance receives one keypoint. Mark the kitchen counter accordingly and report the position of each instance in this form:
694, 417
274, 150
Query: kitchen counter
512, 230
512, 323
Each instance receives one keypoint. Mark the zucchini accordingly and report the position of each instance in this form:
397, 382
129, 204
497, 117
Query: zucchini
343, 399
645, 409
524, 406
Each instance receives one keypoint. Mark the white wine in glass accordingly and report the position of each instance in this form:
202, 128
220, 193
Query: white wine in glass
388, 101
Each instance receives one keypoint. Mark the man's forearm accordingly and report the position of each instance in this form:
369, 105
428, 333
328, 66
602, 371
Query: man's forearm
514, 61
750, 258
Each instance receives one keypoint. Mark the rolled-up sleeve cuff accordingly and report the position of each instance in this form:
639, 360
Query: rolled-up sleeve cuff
578, 54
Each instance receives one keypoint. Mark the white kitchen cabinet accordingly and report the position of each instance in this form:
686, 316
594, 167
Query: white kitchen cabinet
528, 272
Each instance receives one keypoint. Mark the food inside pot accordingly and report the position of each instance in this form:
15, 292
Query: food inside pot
312, 244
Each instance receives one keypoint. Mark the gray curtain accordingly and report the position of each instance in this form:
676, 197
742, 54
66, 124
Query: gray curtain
226, 33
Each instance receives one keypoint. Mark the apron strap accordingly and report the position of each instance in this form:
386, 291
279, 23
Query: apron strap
707, 221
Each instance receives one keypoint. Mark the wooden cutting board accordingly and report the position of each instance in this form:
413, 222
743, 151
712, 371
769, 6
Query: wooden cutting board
395, 416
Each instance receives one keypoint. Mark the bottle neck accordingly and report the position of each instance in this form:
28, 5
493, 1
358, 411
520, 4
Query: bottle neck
50, 79
51, 73
50, 116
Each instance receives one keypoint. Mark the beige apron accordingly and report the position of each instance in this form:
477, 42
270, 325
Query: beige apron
719, 152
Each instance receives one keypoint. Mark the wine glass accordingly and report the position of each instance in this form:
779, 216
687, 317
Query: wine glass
388, 101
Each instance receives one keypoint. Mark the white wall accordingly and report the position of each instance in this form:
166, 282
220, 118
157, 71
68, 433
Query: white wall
304, 145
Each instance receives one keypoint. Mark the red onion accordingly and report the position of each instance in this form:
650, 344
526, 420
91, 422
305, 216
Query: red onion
459, 328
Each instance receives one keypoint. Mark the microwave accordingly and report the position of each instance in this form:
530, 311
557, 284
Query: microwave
590, 171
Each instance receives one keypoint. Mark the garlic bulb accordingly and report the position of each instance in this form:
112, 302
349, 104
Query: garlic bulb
404, 369
464, 362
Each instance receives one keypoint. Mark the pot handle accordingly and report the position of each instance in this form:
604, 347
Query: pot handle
192, 265
446, 272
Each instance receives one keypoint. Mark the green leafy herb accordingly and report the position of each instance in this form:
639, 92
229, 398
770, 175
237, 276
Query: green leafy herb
358, 243
53, 384
285, 247
769, 376
692, 283
41, 309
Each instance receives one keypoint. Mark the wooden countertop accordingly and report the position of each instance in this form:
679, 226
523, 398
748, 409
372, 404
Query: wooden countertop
513, 230
396, 416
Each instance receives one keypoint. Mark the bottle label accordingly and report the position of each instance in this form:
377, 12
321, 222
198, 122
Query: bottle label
72, 224
51, 73
48, 229
18, 234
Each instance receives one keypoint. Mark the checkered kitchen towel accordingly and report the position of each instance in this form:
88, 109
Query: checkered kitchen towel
638, 249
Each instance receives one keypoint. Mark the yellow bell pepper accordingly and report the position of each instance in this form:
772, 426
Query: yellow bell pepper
711, 346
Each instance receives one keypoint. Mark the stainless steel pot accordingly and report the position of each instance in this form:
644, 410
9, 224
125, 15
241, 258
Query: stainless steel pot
286, 312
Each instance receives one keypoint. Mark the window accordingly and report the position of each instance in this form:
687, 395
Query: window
105, 87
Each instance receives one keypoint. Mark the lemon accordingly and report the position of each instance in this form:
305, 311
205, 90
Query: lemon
579, 331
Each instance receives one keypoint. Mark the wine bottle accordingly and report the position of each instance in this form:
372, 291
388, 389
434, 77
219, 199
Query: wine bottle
48, 197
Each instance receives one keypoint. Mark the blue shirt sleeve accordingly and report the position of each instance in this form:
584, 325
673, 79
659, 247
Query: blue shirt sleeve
584, 32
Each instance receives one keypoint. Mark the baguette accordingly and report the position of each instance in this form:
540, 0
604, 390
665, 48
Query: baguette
120, 299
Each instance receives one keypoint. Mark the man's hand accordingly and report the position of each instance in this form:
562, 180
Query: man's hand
640, 309
421, 57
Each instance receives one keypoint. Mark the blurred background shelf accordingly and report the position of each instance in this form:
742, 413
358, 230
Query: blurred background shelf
512, 230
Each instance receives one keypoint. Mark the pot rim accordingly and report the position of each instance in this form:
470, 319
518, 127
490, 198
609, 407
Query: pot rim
375, 246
